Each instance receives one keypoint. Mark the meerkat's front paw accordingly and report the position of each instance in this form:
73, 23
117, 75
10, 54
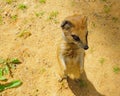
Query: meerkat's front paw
62, 78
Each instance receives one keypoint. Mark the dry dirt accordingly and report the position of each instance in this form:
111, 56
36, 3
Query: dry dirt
39, 67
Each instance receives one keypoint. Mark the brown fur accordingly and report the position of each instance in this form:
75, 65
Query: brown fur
71, 52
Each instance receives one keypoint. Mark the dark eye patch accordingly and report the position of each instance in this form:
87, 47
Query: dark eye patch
76, 38
86, 35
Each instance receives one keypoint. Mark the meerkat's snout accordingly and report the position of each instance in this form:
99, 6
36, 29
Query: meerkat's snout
86, 47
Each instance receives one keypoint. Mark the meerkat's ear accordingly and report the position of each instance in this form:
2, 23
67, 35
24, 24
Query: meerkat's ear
66, 25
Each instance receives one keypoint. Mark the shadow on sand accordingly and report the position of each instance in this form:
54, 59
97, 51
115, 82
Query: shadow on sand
83, 87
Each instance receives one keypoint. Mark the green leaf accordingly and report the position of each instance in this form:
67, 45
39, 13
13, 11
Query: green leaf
13, 66
15, 61
1, 72
12, 84
6, 70
2, 78
22, 6
116, 69
1, 87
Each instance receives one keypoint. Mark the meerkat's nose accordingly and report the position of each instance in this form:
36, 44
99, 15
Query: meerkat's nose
86, 47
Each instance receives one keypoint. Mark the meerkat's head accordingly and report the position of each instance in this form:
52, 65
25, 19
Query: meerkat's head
75, 30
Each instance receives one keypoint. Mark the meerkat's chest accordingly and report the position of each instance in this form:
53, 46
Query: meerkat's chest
72, 63
71, 53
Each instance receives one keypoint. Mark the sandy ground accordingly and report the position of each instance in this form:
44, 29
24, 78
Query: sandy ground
39, 67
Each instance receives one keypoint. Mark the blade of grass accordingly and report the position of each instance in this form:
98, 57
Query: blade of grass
25, 34
15, 61
2, 78
12, 84
6, 70
1, 70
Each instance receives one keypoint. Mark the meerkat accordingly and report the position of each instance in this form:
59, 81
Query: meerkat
71, 50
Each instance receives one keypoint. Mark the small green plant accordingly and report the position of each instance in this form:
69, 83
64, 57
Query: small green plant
39, 14
102, 60
53, 15
116, 69
15, 61
42, 1
22, 6
6, 66
9, 1
24, 34
106, 9
115, 19
42, 70
14, 17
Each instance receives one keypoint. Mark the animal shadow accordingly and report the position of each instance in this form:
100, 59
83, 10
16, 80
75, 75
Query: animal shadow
82, 87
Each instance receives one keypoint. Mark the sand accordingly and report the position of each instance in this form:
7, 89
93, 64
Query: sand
37, 52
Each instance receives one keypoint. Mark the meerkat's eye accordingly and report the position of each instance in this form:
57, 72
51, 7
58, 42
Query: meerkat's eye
76, 38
